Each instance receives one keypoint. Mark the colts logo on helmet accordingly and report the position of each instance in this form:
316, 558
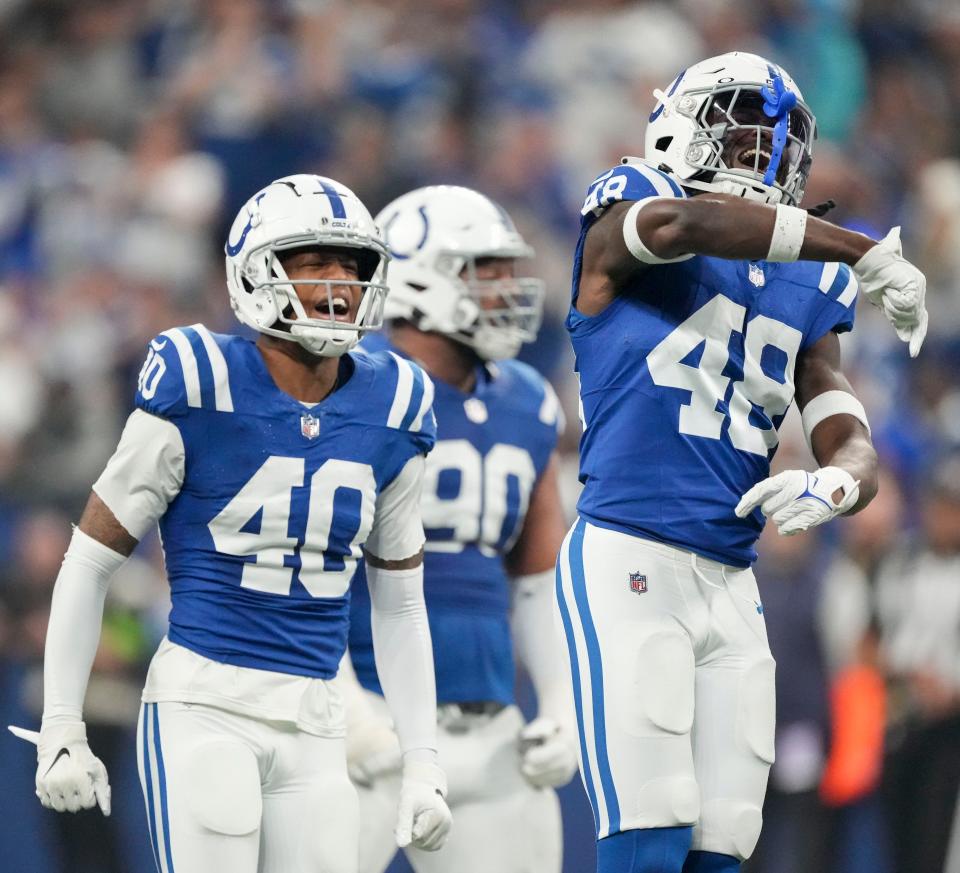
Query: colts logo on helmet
400, 256
234, 249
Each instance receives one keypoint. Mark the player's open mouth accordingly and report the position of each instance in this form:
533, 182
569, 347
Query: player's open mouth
748, 157
341, 308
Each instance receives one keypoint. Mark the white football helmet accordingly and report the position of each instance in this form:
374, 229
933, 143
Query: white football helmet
435, 236
736, 105
298, 212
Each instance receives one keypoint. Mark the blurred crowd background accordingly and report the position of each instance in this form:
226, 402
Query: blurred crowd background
131, 131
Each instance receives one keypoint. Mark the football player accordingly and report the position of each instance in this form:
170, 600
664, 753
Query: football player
269, 466
461, 306
704, 300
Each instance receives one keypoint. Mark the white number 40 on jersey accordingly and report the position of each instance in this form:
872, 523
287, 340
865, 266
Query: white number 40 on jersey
270, 492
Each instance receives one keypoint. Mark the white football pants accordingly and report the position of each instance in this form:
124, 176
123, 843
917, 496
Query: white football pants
500, 822
226, 792
673, 685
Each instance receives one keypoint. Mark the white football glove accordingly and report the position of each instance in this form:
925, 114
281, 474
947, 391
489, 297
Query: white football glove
69, 776
892, 283
797, 500
373, 751
548, 758
423, 818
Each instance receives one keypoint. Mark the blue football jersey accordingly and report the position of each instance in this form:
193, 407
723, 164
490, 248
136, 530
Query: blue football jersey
685, 378
278, 496
492, 447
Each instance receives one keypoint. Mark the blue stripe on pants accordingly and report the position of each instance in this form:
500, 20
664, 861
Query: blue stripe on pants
148, 783
577, 696
596, 674
163, 788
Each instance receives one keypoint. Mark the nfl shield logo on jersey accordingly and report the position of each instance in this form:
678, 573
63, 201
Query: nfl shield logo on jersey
310, 426
756, 276
638, 583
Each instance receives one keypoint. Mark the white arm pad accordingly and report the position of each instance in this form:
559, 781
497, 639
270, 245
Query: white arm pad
397, 531
635, 245
789, 229
827, 404
539, 646
144, 474
404, 654
73, 633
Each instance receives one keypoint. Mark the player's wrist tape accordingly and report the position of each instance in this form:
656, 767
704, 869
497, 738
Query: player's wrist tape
828, 404
789, 229
632, 240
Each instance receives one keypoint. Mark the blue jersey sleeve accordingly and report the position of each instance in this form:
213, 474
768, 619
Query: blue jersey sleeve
836, 303
185, 369
406, 393
627, 182
162, 387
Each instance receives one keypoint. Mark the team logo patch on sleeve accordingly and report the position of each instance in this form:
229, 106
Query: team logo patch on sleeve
638, 583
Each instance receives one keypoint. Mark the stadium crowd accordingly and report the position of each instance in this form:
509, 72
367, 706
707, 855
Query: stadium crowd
132, 130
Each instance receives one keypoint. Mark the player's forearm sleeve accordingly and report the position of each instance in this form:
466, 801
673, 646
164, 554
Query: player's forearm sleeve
397, 529
538, 645
145, 473
404, 654
73, 633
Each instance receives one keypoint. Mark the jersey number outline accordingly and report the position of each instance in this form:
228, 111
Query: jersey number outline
605, 190
152, 371
270, 492
713, 324
477, 513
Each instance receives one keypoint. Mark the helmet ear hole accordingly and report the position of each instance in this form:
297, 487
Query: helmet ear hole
664, 143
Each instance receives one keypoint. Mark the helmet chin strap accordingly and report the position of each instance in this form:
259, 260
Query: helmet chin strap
495, 344
314, 341
737, 187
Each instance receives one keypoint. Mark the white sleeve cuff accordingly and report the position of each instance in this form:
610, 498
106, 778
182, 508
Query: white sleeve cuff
635, 245
828, 404
404, 654
145, 473
397, 528
789, 231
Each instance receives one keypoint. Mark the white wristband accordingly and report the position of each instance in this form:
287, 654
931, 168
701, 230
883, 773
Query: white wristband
632, 240
828, 404
789, 229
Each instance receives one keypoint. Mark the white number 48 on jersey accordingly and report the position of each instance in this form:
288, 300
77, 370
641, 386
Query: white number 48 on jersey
714, 324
